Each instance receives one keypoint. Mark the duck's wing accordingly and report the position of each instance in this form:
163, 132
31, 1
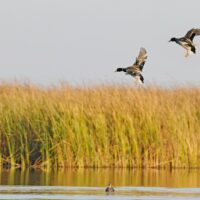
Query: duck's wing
192, 33
141, 59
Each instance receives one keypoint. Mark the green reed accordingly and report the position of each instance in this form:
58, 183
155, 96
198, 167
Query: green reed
105, 126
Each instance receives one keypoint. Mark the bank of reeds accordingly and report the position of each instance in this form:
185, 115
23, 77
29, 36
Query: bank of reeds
105, 126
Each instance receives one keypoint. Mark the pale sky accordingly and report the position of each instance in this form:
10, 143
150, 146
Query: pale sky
84, 41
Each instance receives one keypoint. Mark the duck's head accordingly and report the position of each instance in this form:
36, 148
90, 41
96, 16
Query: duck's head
109, 185
172, 39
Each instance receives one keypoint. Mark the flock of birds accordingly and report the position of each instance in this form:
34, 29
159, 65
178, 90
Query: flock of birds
136, 69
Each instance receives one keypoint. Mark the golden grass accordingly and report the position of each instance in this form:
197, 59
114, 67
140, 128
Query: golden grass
105, 126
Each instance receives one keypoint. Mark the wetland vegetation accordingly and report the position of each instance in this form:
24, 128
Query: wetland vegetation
99, 126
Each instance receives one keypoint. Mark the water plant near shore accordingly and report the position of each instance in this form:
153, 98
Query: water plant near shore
100, 126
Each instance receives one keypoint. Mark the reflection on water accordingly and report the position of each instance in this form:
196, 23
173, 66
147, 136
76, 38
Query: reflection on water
101, 177
90, 184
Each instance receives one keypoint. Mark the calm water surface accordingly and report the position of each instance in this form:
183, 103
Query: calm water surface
90, 184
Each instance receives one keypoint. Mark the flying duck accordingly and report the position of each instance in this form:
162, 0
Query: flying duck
187, 41
109, 188
136, 69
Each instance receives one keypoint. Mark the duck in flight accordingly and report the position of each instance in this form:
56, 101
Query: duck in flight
109, 188
136, 69
187, 41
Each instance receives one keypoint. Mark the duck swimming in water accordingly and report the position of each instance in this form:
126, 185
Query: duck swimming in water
136, 69
187, 41
109, 188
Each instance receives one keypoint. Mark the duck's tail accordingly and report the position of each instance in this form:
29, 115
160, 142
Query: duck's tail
193, 49
189, 52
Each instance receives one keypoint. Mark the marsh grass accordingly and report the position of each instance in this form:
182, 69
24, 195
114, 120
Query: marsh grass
105, 126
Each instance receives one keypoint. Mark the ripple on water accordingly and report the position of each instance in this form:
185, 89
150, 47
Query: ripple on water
97, 193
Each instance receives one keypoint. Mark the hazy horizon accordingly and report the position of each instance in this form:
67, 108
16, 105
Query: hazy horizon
47, 42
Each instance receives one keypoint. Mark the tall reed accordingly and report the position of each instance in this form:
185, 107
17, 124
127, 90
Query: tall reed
104, 126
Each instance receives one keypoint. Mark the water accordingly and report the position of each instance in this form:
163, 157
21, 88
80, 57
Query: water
90, 184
